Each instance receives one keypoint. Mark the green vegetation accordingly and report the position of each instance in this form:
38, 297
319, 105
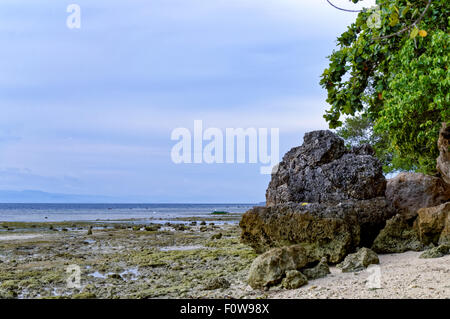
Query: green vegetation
219, 213
389, 79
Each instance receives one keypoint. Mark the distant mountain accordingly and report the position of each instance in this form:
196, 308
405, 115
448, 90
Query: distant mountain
33, 196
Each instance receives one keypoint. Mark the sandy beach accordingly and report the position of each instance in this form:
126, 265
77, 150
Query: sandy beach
173, 261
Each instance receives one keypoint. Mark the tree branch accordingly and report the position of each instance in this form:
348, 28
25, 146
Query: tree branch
408, 27
346, 10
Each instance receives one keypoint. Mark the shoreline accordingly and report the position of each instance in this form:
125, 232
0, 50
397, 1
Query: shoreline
180, 260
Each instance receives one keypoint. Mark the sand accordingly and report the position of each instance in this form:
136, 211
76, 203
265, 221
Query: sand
402, 275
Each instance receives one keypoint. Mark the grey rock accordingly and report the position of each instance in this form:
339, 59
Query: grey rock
294, 279
217, 283
324, 170
270, 268
359, 260
436, 252
319, 271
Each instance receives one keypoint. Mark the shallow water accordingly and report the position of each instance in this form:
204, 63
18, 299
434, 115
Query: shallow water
154, 213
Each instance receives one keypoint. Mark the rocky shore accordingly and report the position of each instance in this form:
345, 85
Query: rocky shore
127, 262
332, 227
330, 205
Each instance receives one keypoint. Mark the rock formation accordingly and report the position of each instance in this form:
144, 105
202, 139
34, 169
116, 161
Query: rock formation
399, 235
433, 224
324, 170
408, 192
443, 161
423, 204
324, 197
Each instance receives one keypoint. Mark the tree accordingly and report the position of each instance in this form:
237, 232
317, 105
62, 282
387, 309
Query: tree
391, 69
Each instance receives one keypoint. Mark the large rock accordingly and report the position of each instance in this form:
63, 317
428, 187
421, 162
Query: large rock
270, 268
359, 260
443, 161
433, 224
399, 235
330, 231
323, 196
324, 170
409, 192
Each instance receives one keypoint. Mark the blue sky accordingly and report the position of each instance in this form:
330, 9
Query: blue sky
90, 111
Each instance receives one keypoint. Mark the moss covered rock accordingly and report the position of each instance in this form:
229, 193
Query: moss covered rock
294, 279
270, 268
319, 271
399, 235
436, 252
359, 260
331, 231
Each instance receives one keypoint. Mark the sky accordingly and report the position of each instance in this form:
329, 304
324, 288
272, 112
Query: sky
90, 111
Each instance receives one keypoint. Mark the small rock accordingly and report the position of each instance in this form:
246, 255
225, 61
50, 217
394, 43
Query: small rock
436, 252
202, 223
319, 271
217, 283
359, 260
115, 276
294, 279
216, 236
203, 228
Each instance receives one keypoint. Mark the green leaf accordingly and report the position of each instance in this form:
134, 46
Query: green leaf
414, 33
393, 19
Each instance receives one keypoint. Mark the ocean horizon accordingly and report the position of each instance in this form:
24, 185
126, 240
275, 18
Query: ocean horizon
60, 212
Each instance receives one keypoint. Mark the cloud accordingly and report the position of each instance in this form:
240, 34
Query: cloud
91, 110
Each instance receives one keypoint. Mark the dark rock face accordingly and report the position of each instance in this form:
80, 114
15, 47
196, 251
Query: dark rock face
323, 170
323, 197
409, 192
443, 161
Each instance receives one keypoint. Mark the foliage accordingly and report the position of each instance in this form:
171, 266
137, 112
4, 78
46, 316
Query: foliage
391, 69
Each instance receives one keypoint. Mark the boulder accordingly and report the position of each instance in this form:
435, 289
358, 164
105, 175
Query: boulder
331, 231
270, 268
399, 235
433, 224
436, 252
294, 279
443, 161
408, 192
324, 170
319, 271
359, 260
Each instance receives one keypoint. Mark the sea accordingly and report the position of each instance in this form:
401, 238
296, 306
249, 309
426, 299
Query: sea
155, 213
